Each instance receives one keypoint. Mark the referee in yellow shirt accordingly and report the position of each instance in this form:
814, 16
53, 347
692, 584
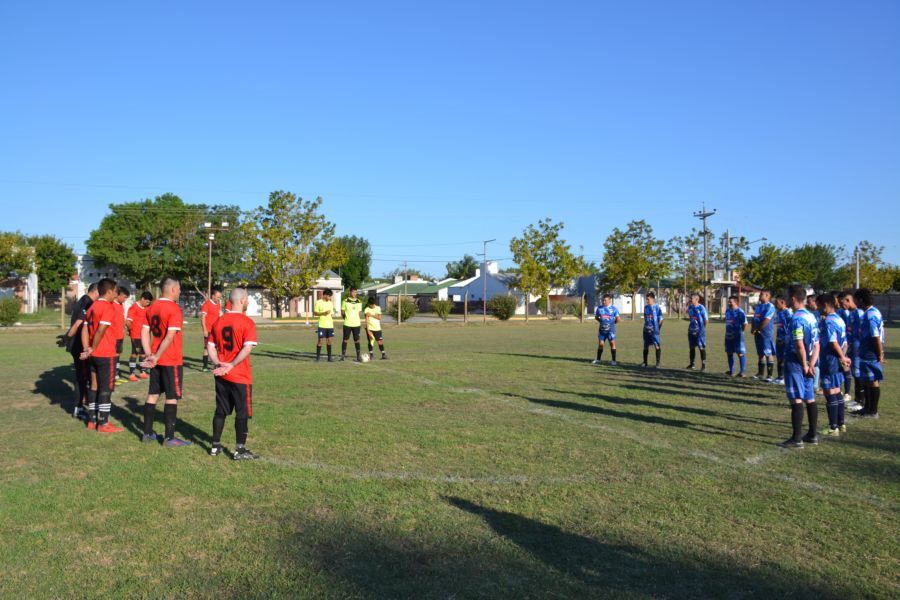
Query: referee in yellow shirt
324, 312
351, 308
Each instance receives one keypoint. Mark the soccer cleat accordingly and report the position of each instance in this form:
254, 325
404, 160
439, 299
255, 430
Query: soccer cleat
595, 362
741, 375
791, 443
343, 357
768, 380
757, 377
729, 374
76, 413
833, 432
243, 454
703, 367
843, 428
811, 439
109, 428
613, 363
644, 365
149, 437
384, 356
132, 377
215, 450
371, 356
854, 406
92, 425
120, 380
143, 376
690, 367
656, 366
848, 399
175, 443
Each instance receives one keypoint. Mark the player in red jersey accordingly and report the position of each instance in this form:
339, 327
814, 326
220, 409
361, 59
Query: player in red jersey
230, 343
162, 334
209, 314
99, 341
134, 320
122, 297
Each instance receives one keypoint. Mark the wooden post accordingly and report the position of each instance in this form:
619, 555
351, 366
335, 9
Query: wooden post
466, 308
399, 310
581, 315
62, 308
527, 295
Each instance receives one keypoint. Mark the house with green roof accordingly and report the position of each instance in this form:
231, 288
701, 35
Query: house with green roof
421, 291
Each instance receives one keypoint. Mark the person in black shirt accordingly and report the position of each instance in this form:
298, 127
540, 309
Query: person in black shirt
74, 346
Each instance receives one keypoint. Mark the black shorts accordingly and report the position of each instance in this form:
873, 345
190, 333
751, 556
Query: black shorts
137, 346
234, 396
353, 330
119, 345
376, 335
105, 371
82, 368
166, 380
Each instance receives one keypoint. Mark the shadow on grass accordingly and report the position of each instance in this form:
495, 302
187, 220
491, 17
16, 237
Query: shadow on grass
664, 387
57, 385
703, 412
649, 419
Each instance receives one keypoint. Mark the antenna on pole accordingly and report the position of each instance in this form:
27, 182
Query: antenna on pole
703, 215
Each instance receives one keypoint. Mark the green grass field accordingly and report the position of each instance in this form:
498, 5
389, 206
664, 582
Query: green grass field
480, 461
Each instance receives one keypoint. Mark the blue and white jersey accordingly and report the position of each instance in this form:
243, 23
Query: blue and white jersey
871, 327
783, 325
854, 321
844, 314
764, 310
607, 316
697, 319
804, 328
831, 329
652, 319
735, 319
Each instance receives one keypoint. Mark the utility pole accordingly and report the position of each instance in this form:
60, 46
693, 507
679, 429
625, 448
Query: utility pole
211, 236
399, 297
857, 266
703, 215
484, 280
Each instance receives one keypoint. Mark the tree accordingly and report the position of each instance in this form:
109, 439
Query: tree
16, 255
463, 268
816, 264
290, 245
55, 263
874, 272
544, 258
151, 239
407, 273
773, 268
355, 271
634, 257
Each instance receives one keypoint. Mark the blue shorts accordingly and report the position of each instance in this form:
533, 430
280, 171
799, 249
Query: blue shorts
870, 371
796, 385
735, 346
697, 341
853, 353
604, 336
326, 332
765, 345
830, 381
651, 339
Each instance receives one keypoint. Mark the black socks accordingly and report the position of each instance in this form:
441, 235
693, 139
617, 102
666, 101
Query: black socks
599, 352
797, 421
205, 361
318, 352
328, 348
760, 368
240, 431
769, 370
646, 352
356, 345
702, 356
613, 351
149, 413
169, 412
812, 413
873, 395
218, 427
658, 352
693, 355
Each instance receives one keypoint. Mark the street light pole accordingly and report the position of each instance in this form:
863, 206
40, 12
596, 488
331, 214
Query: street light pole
703, 215
484, 280
211, 229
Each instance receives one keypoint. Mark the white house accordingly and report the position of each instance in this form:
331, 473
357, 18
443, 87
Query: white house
496, 283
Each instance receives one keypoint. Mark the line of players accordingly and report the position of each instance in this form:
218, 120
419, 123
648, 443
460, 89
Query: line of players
828, 339
95, 340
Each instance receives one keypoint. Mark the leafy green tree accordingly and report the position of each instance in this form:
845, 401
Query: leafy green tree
463, 268
634, 257
355, 271
545, 259
874, 272
408, 273
16, 255
773, 268
290, 245
817, 265
161, 237
55, 263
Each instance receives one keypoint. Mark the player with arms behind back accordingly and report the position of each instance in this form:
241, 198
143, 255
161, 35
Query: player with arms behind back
230, 342
735, 323
832, 361
871, 352
134, 321
783, 316
698, 319
209, 314
99, 340
801, 358
607, 316
763, 330
652, 328
373, 328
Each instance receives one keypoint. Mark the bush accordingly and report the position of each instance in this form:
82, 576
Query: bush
502, 307
565, 307
408, 308
441, 308
9, 310
541, 304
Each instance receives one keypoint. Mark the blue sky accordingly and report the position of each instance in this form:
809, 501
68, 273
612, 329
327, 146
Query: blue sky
428, 126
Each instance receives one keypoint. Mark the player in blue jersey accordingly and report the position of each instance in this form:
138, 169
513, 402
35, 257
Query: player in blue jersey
832, 361
813, 307
735, 323
607, 316
800, 360
854, 320
698, 319
783, 316
763, 330
844, 314
871, 352
652, 327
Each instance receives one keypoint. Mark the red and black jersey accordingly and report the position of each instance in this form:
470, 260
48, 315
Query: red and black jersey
119, 323
102, 312
163, 316
210, 312
230, 334
137, 314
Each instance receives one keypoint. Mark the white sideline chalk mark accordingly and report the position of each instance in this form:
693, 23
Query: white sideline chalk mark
748, 463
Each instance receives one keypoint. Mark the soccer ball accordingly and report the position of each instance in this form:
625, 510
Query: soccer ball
364, 357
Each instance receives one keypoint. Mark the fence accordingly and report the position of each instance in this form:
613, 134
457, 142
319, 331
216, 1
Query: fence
889, 305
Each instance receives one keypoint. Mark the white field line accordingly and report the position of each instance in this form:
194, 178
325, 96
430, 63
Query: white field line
750, 463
